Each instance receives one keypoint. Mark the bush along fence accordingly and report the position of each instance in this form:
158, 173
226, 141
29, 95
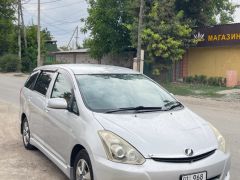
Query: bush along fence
9, 63
204, 80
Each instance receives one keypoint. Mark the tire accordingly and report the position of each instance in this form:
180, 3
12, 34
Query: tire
82, 169
26, 135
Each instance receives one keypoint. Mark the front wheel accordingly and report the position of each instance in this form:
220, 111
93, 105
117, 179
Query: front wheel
83, 167
26, 135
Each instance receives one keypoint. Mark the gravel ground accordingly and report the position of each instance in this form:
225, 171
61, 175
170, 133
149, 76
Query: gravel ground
16, 163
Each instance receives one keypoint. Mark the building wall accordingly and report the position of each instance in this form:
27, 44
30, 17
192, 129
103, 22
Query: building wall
214, 61
65, 58
84, 58
124, 60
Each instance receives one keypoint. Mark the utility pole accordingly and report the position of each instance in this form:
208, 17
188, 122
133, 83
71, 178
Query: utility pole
24, 28
19, 34
76, 38
140, 23
39, 61
76, 29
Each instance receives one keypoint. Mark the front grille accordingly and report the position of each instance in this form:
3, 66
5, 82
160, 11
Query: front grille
185, 160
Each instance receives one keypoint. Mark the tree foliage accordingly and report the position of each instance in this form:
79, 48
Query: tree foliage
29, 60
29, 54
9, 63
168, 24
107, 25
9, 36
166, 34
207, 12
7, 12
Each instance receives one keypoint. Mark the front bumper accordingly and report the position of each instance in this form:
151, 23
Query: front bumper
216, 165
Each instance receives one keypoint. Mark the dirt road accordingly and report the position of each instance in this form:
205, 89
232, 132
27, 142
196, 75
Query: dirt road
18, 164
15, 162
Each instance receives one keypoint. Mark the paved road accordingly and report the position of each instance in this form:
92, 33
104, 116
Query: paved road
10, 86
16, 163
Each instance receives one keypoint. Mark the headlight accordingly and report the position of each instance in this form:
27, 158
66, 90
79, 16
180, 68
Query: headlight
220, 139
118, 150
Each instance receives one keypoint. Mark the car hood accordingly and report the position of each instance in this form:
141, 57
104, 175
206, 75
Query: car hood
162, 134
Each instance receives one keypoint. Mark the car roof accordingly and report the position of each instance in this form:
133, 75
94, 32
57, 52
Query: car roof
89, 69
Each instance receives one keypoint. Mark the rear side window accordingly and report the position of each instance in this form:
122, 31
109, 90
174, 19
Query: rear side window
31, 80
43, 82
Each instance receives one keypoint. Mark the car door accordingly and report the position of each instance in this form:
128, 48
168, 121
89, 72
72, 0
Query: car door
58, 125
26, 93
38, 102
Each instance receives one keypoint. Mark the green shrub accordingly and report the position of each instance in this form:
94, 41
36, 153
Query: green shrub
188, 79
211, 81
221, 81
28, 65
204, 80
224, 81
9, 63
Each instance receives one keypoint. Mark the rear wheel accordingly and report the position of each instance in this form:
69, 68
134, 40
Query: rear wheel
83, 167
26, 135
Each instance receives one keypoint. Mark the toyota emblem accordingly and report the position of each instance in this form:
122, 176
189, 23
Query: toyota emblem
189, 152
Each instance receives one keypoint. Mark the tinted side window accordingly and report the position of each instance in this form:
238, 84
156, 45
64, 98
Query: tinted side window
43, 82
62, 88
73, 106
31, 80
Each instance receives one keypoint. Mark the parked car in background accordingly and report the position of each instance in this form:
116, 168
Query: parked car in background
99, 122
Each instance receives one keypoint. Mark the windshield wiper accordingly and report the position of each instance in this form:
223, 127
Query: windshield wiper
138, 108
172, 105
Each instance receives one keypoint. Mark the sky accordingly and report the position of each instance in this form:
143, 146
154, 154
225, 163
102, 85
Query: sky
61, 17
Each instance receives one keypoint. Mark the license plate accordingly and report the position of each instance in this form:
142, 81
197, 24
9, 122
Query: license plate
196, 176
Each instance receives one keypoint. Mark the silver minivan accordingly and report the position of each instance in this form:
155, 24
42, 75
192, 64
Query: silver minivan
98, 122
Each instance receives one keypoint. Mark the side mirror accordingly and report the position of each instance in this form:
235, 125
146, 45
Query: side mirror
57, 103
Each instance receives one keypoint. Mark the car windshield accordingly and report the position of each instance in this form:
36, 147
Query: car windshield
106, 92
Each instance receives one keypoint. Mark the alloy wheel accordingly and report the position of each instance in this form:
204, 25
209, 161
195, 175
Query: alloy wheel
82, 170
26, 133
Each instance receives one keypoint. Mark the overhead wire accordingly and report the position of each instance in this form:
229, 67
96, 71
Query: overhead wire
58, 7
61, 6
65, 19
48, 23
58, 31
62, 21
48, 2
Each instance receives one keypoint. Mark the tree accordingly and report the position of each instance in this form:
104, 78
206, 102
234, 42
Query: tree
166, 33
170, 24
207, 12
7, 16
107, 23
168, 29
30, 54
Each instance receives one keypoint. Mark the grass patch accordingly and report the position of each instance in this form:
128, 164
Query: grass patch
184, 89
